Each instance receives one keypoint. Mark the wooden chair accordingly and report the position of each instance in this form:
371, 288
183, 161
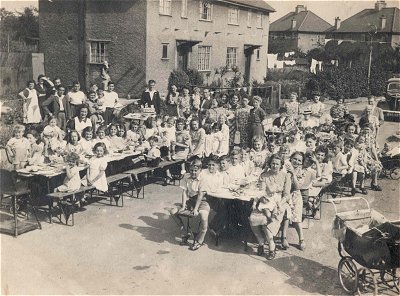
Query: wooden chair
19, 193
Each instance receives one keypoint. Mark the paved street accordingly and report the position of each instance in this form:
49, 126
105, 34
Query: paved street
135, 250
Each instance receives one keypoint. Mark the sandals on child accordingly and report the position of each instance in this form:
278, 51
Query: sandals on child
302, 245
270, 255
260, 250
184, 241
196, 246
285, 244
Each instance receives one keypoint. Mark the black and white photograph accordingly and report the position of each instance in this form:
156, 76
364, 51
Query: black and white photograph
189, 147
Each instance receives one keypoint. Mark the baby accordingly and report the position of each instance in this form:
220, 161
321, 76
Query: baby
268, 206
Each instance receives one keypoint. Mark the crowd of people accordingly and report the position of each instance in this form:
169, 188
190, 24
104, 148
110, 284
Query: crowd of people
224, 137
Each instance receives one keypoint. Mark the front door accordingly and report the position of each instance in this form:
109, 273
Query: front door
183, 57
247, 65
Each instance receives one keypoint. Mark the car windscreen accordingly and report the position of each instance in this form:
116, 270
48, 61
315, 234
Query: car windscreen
394, 86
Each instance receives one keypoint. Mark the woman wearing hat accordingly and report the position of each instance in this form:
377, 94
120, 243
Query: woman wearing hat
307, 121
256, 116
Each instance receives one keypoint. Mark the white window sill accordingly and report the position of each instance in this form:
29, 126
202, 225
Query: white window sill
203, 20
164, 14
165, 59
233, 24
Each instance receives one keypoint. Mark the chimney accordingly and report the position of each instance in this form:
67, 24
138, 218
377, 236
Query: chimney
337, 23
300, 8
380, 4
293, 24
382, 22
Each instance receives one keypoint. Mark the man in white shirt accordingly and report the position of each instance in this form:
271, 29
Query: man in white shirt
109, 102
76, 99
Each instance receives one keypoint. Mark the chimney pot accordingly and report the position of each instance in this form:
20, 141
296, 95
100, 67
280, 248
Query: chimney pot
300, 8
380, 4
337, 23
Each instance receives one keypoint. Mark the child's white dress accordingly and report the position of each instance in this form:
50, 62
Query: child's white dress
116, 143
87, 146
96, 165
52, 131
21, 148
71, 184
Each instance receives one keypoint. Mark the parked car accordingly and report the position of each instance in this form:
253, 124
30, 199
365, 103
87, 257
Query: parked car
391, 106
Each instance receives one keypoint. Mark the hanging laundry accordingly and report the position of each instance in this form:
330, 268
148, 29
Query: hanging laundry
320, 66
271, 60
313, 66
289, 63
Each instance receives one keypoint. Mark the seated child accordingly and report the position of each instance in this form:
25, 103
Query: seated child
134, 136
153, 155
87, 142
246, 163
326, 168
168, 138
258, 155
72, 181
37, 147
96, 175
236, 172
73, 144
311, 141
102, 138
339, 161
267, 205
52, 130
18, 148
116, 143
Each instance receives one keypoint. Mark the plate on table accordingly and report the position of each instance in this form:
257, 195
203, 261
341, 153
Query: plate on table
46, 171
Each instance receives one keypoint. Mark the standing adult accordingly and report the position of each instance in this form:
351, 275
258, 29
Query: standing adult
277, 184
197, 136
242, 123
31, 111
172, 100
109, 102
317, 107
151, 97
42, 88
376, 111
368, 118
59, 107
76, 98
257, 115
205, 103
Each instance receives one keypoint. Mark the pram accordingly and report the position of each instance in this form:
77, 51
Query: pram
369, 246
391, 166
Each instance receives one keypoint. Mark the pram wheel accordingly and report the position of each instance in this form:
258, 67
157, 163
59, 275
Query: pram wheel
348, 277
366, 281
391, 279
395, 173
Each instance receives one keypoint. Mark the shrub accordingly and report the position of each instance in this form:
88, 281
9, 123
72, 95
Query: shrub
179, 78
195, 77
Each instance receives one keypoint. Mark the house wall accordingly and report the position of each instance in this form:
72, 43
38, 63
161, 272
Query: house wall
395, 40
308, 41
216, 33
59, 38
123, 25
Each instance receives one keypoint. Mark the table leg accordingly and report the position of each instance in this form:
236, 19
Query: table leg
15, 215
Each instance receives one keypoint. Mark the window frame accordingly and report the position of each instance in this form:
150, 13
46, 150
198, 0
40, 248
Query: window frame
259, 23
201, 58
164, 45
184, 9
249, 17
210, 11
98, 58
258, 54
231, 57
230, 22
163, 8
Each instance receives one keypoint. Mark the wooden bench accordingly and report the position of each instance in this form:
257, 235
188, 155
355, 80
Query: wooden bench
164, 165
117, 182
62, 199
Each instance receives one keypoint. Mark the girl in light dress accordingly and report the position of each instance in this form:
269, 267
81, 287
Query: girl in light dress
246, 162
18, 148
36, 156
72, 181
301, 180
31, 110
224, 148
167, 138
96, 175
116, 143
134, 135
321, 154
292, 106
73, 144
52, 130
258, 155
101, 137
87, 142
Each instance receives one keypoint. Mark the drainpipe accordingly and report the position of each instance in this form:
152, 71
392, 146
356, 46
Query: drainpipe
82, 63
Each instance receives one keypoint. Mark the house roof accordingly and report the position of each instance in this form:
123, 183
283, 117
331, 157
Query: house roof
361, 22
256, 4
306, 21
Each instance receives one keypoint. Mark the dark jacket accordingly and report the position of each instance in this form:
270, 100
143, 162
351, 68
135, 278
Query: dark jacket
155, 102
54, 105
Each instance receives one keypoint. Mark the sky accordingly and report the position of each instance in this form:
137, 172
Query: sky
326, 9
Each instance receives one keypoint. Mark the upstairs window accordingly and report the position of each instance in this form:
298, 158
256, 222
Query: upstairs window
231, 57
165, 7
233, 16
184, 12
205, 10
98, 52
164, 54
249, 19
259, 20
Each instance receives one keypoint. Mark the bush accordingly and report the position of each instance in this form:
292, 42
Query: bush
179, 78
195, 77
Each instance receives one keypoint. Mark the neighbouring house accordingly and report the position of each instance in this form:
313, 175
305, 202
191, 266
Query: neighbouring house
382, 23
299, 30
147, 39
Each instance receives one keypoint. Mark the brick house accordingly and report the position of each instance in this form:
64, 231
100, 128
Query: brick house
299, 30
147, 39
382, 22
